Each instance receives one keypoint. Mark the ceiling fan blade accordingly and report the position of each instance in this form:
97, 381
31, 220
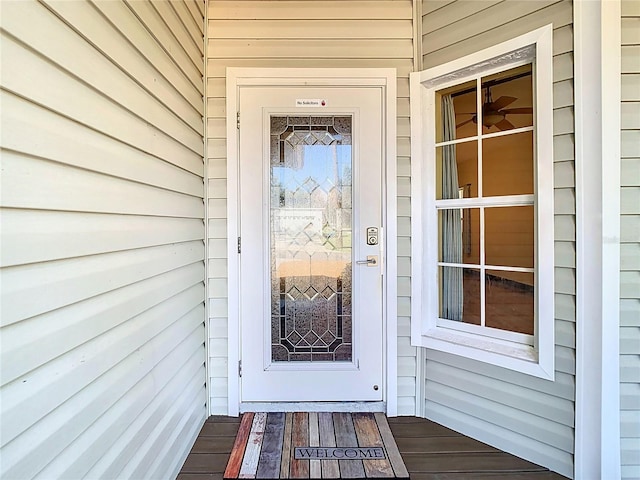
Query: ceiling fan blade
464, 123
500, 103
465, 113
505, 125
528, 110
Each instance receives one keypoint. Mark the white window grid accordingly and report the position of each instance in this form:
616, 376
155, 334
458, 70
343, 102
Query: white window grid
480, 202
534, 355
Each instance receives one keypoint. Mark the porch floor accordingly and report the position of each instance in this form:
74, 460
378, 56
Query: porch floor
430, 452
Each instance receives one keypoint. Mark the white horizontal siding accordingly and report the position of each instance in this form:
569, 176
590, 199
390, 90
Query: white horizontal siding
526, 416
331, 10
465, 33
630, 244
316, 33
102, 361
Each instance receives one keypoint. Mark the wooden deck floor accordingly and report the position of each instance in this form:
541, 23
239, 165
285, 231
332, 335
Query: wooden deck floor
430, 452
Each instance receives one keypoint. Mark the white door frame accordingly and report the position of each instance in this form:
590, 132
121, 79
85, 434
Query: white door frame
383, 77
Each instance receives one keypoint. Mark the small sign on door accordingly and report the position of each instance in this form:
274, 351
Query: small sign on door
310, 102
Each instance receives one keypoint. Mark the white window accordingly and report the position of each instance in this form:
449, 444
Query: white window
482, 125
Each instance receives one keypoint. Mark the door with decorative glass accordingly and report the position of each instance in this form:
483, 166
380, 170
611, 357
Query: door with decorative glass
311, 246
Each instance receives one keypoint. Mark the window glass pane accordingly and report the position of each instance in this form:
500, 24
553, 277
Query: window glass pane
456, 112
456, 167
507, 100
509, 236
459, 237
507, 165
310, 233
509, 301
460, 294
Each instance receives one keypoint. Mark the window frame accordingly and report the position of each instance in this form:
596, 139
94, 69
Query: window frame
537, 359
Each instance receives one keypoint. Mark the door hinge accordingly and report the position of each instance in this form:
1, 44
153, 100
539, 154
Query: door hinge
238, 120
239, 245
239, 368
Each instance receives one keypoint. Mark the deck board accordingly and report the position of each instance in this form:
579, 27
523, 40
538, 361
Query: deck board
271, 454
330, 468
346, 437
442, 445
465, 462
315, 468
213, 445
391, 446
237, 452
285, 467
368, 435
300, 437
451, 456
249, 465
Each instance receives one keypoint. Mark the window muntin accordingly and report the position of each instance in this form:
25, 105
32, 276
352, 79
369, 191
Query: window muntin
491, 286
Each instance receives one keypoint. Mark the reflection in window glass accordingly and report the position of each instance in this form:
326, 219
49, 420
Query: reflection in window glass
509, 301
480, 245
465, 157
507, 100
461, 99
467, 237
509, 236
507, 165
460, 294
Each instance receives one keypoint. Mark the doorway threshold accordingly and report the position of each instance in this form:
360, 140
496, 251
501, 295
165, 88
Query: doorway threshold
372, 407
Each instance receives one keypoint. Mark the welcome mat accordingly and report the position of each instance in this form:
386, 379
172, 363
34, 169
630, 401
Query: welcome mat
315, 445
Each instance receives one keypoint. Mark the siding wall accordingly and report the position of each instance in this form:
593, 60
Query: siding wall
307, 33
102, 317
527, 416
630, 243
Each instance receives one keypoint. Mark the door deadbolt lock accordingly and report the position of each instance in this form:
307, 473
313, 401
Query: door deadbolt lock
372, 235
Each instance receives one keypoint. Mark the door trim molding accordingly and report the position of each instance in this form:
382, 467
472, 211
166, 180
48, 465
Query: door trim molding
313, 407
597, 34
383, 77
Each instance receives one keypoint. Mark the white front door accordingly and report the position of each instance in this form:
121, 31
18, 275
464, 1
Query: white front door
310, 217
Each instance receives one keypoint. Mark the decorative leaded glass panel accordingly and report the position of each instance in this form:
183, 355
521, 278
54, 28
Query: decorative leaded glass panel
310, 233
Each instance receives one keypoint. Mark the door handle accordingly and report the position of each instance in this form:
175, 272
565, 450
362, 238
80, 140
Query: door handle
371, 261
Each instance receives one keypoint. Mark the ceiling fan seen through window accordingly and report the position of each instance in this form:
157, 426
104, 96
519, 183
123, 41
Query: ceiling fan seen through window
494, 113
